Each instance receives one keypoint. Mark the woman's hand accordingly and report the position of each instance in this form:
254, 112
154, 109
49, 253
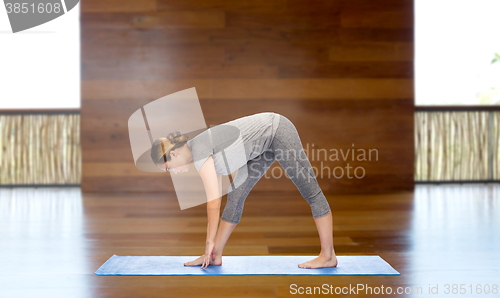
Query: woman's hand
209, 254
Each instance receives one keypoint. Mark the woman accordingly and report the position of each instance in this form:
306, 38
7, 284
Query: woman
264, 138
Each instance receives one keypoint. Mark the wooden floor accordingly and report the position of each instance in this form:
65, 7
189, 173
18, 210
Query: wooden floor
54, 239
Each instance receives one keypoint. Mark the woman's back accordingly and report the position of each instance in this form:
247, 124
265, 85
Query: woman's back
235, 142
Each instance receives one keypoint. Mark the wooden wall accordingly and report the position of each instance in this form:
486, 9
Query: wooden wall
341, 70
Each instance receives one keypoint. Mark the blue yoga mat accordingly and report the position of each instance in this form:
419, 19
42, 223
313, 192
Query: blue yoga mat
243, 265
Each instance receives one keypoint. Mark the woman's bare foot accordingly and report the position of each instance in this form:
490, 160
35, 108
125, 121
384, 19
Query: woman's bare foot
199, 261
320, 262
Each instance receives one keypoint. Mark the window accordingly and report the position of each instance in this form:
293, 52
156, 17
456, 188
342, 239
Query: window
40, 66
455, 44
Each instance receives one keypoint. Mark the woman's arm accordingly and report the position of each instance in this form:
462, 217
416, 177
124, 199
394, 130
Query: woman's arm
213, 188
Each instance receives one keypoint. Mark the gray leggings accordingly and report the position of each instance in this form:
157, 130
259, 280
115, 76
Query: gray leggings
287, 148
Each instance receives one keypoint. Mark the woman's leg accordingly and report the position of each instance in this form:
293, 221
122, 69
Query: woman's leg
255, 169
244, 181
223, 233
289, 152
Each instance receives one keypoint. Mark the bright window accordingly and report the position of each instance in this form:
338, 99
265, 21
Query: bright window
455, 43
40, 66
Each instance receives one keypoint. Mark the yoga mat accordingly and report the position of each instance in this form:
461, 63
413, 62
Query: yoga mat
243, 265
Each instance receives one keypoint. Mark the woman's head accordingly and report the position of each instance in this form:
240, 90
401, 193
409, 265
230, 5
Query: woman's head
172, 153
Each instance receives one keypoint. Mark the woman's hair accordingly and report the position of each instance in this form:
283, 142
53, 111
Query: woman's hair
162, 146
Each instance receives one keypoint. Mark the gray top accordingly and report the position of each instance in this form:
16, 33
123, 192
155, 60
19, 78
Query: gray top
234, 143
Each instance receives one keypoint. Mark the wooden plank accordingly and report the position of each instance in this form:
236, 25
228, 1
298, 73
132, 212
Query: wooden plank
313, 88
283, 20
317, 7
116, 169
123, 89
180, 19
115, 30
126, 184
248, 89
118, 6
349, 35
112, 56
242, 70
151, 19
382, 51
348, 69
248, 6
377, 19
177, 70
383, 5
275, 53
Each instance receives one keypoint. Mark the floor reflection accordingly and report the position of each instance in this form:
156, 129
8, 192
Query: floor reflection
455, 235
52, 240
42, 242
